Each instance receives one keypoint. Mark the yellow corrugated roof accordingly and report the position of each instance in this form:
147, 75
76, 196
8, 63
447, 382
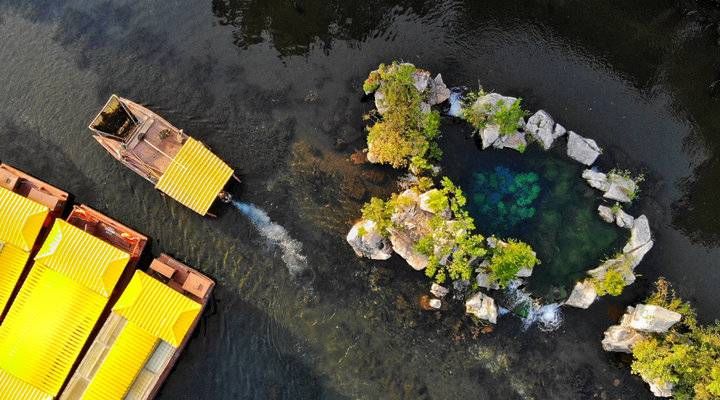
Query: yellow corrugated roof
47, 326
12, 264
195, 177
126, 358
82, 257
13, 388
155, 307
20, 219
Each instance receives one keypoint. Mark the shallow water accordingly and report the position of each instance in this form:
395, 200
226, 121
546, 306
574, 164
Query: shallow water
274, 88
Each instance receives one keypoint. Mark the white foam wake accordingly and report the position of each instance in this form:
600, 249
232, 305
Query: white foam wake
291, 249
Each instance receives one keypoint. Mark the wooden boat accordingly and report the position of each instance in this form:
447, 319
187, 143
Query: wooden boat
178, 165
75, 274
28, 206
143, 337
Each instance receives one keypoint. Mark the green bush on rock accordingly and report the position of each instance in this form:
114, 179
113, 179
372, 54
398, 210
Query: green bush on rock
480, 113
686, 356
510, 258
404, 135
612, 283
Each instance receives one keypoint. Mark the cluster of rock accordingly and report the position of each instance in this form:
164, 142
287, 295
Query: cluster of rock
434, 91
640, 242
636, 324
411, 222
614, 186
540, 127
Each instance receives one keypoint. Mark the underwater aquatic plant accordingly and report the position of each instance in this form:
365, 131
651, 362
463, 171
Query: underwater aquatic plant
505, 198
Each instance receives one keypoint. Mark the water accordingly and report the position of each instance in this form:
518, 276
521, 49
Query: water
274, 87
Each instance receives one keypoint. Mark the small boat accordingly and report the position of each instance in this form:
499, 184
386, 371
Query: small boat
28, 206
178, 165
142, 339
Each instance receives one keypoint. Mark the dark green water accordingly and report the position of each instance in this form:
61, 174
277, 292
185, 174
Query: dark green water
274, 88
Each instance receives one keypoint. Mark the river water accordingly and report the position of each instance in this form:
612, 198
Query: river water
274, 87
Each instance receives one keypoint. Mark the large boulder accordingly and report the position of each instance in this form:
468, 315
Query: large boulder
660, 389
482, 306
622, 188
367, 242
652, 318
623, 219
606, 213
439, 92
541, 126
596, 179
404, 245
583, 295
621, 264
425, 201
640, 241
489, 135
581, 149
619, 338
515, 141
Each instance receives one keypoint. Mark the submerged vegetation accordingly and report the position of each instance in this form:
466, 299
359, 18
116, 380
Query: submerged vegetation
686, 356
403, 133
504, 198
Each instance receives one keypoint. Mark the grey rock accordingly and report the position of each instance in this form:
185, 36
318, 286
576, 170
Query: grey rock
622, 264
439, 92
489, 135
483, 277
621, 188
438, 290
435, 303
582, 296
652, 318
421, 79
660, 389
606, 213
540, 126
371, 244
640, 240
624, 220
558, 131
524, 273
404, 245
515, 141
482, 306
380, 103
425, 108
620, 339
596, 179
581, 149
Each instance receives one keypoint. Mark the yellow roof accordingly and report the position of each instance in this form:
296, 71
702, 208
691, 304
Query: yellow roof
20, 219
15, 389
82, 257
12, 264
195, 177
157, 308
47, 326
126, 358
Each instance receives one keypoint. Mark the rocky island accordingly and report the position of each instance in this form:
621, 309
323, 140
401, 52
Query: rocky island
428, 224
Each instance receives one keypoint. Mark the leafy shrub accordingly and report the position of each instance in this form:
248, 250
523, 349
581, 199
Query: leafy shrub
377, 210
612, 283
686, 356
404, 135
506, 116
507, 260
